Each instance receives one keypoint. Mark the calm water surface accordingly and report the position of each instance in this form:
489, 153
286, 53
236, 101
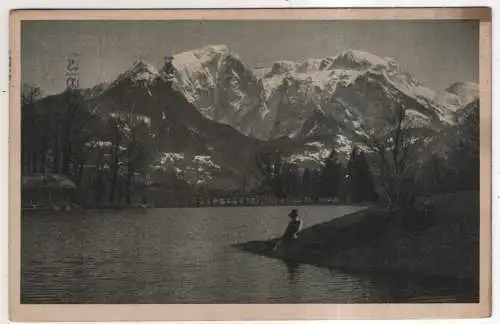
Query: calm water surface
185, 256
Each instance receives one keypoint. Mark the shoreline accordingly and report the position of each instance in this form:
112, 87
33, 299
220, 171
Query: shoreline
367, 242
117, 208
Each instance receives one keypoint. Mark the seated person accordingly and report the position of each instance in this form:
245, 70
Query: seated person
293, 228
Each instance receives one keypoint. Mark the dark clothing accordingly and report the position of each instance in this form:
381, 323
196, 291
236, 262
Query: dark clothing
294, 226
290, 235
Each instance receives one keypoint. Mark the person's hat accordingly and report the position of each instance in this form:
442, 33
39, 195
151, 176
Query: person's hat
293, 213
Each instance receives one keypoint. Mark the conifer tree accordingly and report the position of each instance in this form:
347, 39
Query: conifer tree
331, 176
361, 180
306, 183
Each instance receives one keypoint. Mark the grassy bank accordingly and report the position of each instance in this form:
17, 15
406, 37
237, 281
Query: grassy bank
368, 241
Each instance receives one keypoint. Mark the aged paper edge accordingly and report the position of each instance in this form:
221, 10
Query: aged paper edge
186, 312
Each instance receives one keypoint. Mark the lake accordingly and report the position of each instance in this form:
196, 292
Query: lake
184, 255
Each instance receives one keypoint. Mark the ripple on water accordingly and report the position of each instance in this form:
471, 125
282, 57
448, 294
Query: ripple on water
184, 256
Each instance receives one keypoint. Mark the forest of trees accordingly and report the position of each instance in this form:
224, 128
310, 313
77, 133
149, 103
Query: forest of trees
75, 141
352, 182
100, 152
399, 162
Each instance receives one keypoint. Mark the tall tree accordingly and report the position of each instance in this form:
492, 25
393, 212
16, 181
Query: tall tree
270, 171
78, 126
362, 187
291, 180
395, 139
316, 184
31, 127
306, 183
117, 139
137, 152
332, 175
465, 156
131, 144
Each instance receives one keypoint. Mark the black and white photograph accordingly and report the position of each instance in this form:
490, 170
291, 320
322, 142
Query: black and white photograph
249, 161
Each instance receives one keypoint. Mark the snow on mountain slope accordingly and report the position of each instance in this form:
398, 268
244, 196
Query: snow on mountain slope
194, 169
141, 73
282, 100
456, 97
313, 153
459, 94
261, 71
213, 152
216, 81
341, 88
344, 69
353, 60
313, 72
309, 65
196, 59
333, 96
313, 106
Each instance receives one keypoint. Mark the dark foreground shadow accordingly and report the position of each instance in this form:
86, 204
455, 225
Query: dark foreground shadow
323, 245
328, 238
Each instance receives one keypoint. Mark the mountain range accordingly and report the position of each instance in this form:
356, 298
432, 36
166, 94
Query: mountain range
210, 112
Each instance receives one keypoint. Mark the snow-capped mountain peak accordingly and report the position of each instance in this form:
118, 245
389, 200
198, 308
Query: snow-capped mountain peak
354, 59
215, 80
141, 72
458, 95
466, 91
304, 107
199, 57
458, 87
282, 67
309, 65
300, 99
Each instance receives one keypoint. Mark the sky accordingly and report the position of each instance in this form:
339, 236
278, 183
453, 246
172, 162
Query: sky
437, 53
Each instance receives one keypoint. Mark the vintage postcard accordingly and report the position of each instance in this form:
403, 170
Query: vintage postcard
250, 164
